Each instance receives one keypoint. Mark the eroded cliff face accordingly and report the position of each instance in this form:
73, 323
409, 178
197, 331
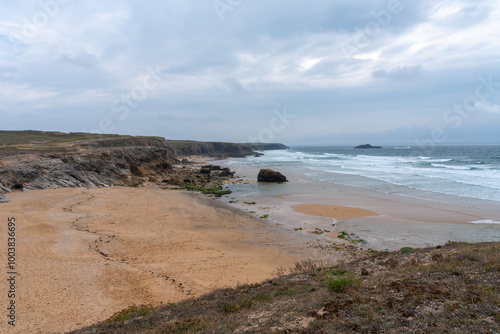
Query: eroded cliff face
95, 163
221, 149
43, 160
210, 149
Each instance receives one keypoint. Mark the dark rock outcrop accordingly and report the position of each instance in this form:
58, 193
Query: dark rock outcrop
269, 175
212, 170
368, 146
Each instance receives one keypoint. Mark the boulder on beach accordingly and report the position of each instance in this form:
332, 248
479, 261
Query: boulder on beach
269, 175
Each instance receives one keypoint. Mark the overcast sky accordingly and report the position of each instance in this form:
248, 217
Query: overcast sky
297, 72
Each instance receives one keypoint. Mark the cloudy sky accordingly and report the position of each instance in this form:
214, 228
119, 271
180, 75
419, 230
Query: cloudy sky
298, 72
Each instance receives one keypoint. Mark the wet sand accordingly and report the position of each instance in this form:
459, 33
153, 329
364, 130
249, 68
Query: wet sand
84, 254
333, 211
400, 221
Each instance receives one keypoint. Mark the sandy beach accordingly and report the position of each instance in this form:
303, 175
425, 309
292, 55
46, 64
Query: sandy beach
84, 254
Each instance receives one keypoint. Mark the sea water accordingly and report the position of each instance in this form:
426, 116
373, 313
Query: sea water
464, 175
462, 184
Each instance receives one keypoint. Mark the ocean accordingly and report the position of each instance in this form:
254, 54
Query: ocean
423, 197
465, 175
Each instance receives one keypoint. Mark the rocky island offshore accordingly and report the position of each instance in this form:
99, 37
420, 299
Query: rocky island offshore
367, 146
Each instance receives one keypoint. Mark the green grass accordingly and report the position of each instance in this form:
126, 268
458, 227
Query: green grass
258, 299
338, 272
130, 312
340, 284
48, 137
310, 288
406, 250
287, 292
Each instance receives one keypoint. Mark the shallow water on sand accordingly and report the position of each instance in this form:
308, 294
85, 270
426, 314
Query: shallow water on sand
408, 217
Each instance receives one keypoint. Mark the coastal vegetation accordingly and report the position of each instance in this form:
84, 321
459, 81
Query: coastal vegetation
216, 191
450, 288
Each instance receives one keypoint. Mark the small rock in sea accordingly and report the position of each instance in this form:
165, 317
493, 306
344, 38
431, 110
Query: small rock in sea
269, 175
367, 146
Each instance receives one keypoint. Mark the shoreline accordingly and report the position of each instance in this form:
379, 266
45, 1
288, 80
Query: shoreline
401, 221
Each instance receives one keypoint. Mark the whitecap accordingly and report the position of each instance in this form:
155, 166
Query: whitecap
485, 221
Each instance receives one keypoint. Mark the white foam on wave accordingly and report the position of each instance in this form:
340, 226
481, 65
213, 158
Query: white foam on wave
439, 160
485, 221
452, 167
435, 174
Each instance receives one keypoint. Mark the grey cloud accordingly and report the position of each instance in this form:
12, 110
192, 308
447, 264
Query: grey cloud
228, 72
401, 73
85, 60
468, 15
233, 84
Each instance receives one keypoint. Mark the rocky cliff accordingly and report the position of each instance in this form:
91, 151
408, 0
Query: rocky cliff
220, 149
41, 160
95, 163
210, 149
